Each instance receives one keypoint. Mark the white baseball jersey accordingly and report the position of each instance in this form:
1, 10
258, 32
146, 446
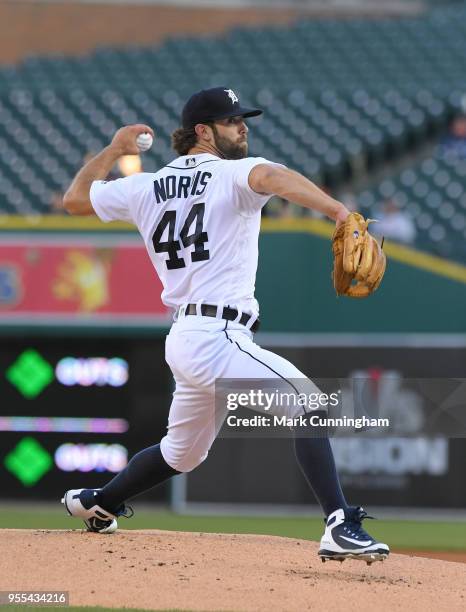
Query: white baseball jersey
200, 223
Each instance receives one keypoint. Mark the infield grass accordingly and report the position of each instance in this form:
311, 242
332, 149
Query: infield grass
407, 535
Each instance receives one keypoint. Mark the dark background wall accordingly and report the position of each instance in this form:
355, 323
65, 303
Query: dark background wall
250, 470
417, 471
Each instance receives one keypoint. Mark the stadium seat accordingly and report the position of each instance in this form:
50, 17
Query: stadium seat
338, 94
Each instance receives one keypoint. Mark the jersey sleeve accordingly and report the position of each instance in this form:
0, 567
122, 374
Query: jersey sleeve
112, 200
248, 201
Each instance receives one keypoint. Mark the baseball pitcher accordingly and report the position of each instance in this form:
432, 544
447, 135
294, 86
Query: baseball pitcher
199, 217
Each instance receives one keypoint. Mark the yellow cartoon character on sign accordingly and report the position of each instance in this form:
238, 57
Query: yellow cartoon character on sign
83, 278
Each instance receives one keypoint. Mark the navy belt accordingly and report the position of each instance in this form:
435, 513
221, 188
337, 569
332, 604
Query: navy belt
230, 314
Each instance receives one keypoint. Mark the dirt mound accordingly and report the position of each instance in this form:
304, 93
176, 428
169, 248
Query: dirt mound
199, 571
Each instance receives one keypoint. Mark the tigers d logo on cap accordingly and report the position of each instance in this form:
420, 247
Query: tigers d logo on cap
231, 94
215, 103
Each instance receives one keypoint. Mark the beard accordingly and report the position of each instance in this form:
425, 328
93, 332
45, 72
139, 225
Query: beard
229, 149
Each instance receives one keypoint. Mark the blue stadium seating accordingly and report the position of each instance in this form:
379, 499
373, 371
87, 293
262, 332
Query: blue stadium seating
338, 94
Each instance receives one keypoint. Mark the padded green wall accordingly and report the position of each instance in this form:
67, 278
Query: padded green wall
296, 294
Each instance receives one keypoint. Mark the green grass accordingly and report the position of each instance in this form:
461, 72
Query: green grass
408, 535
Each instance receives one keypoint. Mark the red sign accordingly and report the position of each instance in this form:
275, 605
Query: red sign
94, 280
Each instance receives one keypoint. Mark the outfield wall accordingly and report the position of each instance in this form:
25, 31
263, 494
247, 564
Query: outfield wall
80, 310
82, 276
73, 409
419, 293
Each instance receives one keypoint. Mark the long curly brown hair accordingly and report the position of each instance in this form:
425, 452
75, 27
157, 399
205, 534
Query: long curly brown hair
183, 139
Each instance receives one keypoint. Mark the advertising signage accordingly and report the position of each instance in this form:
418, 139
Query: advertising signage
72, 411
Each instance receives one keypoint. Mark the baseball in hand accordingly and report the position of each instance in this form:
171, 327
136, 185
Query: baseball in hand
144, 142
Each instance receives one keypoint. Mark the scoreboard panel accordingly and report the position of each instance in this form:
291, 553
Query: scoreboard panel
73, 410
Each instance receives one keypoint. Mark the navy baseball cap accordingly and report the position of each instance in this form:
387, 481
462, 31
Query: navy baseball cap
211, 104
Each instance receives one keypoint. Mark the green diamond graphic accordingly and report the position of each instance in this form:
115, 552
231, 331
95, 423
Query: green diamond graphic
30, 373
28, 461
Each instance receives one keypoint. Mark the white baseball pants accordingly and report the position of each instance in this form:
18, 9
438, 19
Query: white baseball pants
200, 350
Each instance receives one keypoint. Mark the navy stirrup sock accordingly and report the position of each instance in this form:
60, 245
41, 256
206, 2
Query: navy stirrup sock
145, 470
315, 457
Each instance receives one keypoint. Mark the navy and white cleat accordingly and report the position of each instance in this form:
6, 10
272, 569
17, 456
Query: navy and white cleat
82, 503
344, 538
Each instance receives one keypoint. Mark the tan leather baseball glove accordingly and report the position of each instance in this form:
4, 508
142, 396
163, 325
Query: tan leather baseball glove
358, 260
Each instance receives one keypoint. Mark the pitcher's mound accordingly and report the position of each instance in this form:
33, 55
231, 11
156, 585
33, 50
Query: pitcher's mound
200, 571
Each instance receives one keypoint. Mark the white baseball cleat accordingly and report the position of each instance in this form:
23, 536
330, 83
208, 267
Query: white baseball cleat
82, 503
344, 538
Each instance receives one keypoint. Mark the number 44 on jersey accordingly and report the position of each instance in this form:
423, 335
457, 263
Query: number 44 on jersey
199, 237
